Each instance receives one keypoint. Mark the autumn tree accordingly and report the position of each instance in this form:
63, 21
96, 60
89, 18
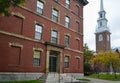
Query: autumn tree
107, 59
96, 62
115, 62
6, 4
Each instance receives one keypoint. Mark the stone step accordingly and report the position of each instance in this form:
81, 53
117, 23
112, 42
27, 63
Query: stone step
59, 78
43, 77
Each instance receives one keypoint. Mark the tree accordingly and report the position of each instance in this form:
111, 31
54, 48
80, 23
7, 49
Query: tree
96, 62
107, 59
6, 4
88, 54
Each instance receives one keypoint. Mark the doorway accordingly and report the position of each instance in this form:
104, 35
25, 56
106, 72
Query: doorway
53, 61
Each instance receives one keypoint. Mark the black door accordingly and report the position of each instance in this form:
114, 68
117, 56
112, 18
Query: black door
52, 63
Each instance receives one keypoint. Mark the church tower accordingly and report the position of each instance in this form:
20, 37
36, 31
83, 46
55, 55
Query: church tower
102, 32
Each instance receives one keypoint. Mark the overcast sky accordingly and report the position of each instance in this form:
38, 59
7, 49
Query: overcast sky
112, 8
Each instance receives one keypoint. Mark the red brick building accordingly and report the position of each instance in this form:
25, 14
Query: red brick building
41, 37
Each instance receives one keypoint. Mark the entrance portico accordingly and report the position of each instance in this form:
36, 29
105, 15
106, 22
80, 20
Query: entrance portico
54, 58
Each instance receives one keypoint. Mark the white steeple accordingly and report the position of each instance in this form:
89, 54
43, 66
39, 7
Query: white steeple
102, 21
101, 6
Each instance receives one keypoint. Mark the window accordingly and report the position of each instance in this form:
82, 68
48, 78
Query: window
57, 0
67, 3
67, 41
36, 58
100, 24
38, 31
40, 6
100, 37
66, 61
108, 37
67, 21
54, 37
100, 15
55, 15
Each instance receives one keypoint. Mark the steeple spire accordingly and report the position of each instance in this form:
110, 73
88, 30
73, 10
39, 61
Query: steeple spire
101, 6
102, 21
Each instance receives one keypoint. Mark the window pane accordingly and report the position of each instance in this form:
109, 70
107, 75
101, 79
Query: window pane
38, 36
38, 28
57, 0
36, 58
67, 21
36, 62
40, 6
66, 61
67, 3
55, 19
54, 36
55, 15
67, 41
67, 24
55, 12
36, 54
54, 40
38, 32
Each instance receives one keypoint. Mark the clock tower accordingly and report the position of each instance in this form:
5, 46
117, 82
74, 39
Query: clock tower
102, 32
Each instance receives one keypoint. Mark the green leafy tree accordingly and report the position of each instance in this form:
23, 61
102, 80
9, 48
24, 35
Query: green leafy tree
6, 4
88, 54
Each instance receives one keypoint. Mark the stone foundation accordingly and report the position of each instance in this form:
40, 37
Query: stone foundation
75, 75
18, 76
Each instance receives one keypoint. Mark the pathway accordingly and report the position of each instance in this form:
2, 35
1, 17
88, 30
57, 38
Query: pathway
101, 81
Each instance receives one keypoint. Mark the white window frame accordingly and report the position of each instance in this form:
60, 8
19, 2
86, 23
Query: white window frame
38, 31
67, 41
54, 36
55, 15
67, 21
37, 59
67, 4
40, 7
67, 61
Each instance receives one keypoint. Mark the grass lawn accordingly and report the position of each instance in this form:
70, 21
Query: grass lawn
106, 76
33, 81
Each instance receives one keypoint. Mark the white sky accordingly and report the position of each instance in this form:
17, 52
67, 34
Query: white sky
112, 8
